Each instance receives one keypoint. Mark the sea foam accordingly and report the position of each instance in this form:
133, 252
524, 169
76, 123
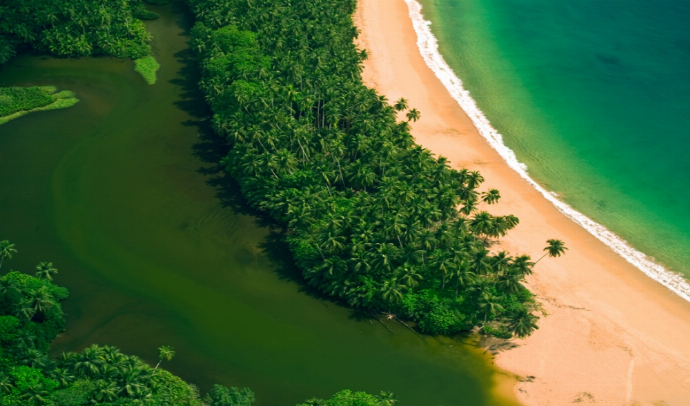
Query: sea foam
428, 46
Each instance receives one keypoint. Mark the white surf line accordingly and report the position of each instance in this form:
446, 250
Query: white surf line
428, 46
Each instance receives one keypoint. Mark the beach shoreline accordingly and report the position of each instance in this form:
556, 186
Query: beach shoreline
612, 335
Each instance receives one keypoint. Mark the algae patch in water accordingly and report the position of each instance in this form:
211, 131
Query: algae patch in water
147, 67
18, 101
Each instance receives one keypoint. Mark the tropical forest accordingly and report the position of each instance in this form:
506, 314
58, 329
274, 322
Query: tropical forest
324, 172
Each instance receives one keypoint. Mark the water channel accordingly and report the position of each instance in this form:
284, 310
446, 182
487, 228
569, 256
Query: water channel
157, 247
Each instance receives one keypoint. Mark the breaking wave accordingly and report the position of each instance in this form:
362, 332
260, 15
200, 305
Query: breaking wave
428, 46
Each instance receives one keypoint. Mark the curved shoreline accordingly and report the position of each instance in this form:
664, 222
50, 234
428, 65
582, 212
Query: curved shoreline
428, 46
612, 332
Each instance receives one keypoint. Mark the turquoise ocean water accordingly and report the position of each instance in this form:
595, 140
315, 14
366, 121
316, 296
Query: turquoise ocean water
593, 96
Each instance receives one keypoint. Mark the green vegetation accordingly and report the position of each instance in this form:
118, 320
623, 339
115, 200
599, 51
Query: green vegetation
14, 99
350, 398
371, 218
18, 101
31, 317
147, 67
74, 28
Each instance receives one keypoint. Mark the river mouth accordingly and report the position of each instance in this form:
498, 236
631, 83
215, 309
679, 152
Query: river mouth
157, 247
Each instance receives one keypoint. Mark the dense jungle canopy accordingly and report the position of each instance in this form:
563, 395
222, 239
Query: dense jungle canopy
372, 218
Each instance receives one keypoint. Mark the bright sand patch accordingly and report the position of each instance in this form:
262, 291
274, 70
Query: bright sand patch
612, 336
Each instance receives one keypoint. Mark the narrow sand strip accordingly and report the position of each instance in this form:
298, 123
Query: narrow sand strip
612, 335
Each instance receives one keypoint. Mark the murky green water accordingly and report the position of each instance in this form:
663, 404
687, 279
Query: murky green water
157, 248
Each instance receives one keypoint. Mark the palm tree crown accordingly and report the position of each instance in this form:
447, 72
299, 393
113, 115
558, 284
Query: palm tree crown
556, 248
46, 270
401, 104
165, 353
413, 115
6, 250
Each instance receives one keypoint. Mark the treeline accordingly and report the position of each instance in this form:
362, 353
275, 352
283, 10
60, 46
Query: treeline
74, 28
372, 218
31, 317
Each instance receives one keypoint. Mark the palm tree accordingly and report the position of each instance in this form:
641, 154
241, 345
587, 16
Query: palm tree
5, 384
489, 306
26, 309
89, 362
523, 265
132, 379
41, 299
62, 375
165, 353
35, 359
413, 115
509, 282
482, 223
392, 291
523, 323
401, 104
387, 398
474, 179
6, 250
8, 287
35, 395
46, 270
491, 196
501, 262
556, 248
461, 277
410, 278
105, 391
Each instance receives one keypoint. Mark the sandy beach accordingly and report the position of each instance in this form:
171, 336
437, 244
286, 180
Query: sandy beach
611, 335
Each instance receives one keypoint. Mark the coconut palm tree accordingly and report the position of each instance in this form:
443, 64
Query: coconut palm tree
556, 248
392, 291
35, 395
387, 398
46, 270
165, 353
41, 299
413, 115
523, 323
5, 384
461, 277
25, 309
410, 278
489, 306
105, 391
35, 359
89, 362
8, 288
62, 375
6, 250
401, 104
491, 197
482, 223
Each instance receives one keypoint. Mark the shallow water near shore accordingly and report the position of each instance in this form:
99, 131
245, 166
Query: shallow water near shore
594, 97
157, 247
